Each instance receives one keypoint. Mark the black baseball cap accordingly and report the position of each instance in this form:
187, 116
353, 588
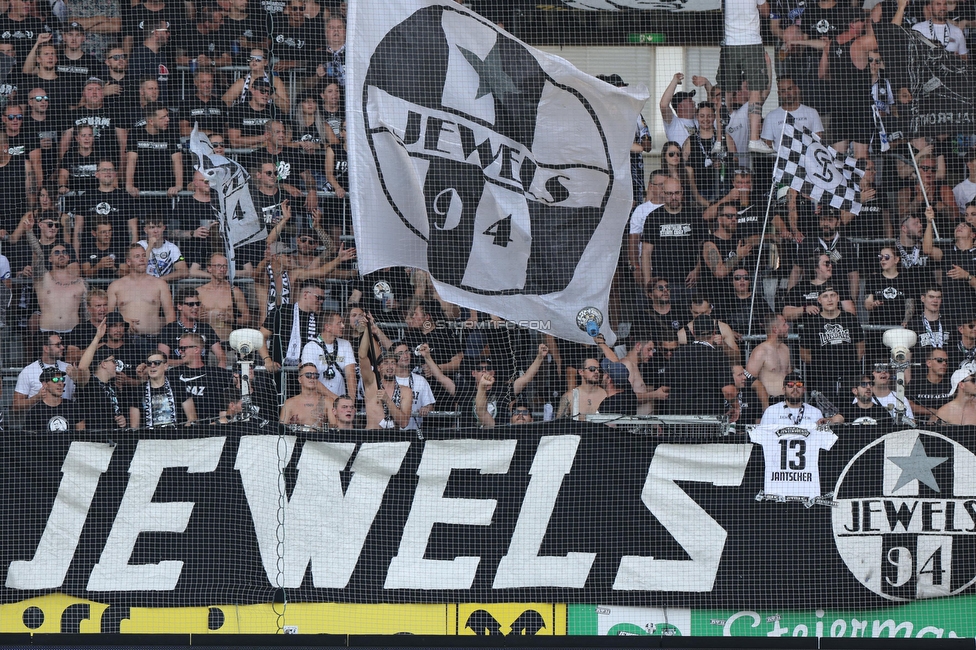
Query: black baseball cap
677, 98
114, 318
50, 373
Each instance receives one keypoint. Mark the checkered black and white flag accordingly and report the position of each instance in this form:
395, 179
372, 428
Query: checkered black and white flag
813, 169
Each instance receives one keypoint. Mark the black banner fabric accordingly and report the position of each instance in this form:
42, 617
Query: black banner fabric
563, 512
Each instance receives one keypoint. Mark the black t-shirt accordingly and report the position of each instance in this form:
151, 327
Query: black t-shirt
624, 402
81, 170
100, 403
931, 396
192, 214
833, 350
22, 33
92, 255
74, 74
958, 302
696, 375
269, 207
103, 121
62, 91
171, 334
117, 206
211, 115
251, 28
852, 412
144, 63
43, 419
249, 121
292, 43
163, 406
892, 293
154, 167
206, 386
13, 188
676, 239
932, 334
659, 327
214, 45
136, 17
802, 295
14, 82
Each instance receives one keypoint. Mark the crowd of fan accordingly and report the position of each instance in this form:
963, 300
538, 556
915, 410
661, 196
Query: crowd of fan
124, 308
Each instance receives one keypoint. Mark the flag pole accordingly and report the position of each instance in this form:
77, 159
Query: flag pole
925, 195
762, 235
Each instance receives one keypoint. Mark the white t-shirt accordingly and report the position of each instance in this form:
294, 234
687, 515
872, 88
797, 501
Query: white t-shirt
948, 36
738, 130
792, 455
313, 352
889, 401
160, 261
803, 116
639, 216
780, 414
680, 128
964, 193
742, 23
422, 396
29, 379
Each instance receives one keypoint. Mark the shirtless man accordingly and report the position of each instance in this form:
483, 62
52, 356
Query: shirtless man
586, 398
770, 361
59, 290
222, 305
311, 407
388, 404
962, 408
139, 297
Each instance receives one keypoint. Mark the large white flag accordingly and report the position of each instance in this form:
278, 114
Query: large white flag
502, 170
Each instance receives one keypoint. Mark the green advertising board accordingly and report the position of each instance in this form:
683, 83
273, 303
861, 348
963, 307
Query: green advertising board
936, 618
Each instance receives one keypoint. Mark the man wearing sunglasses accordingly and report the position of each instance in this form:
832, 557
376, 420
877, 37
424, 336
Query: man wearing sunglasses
930, 393
587, 397
188, 322
52, 413
313, 404
161, 402
962, 408
793, 410
205, 384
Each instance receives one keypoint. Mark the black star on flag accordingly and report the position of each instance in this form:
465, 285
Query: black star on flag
491, 77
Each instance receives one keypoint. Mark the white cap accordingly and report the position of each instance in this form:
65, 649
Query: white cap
959, 375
